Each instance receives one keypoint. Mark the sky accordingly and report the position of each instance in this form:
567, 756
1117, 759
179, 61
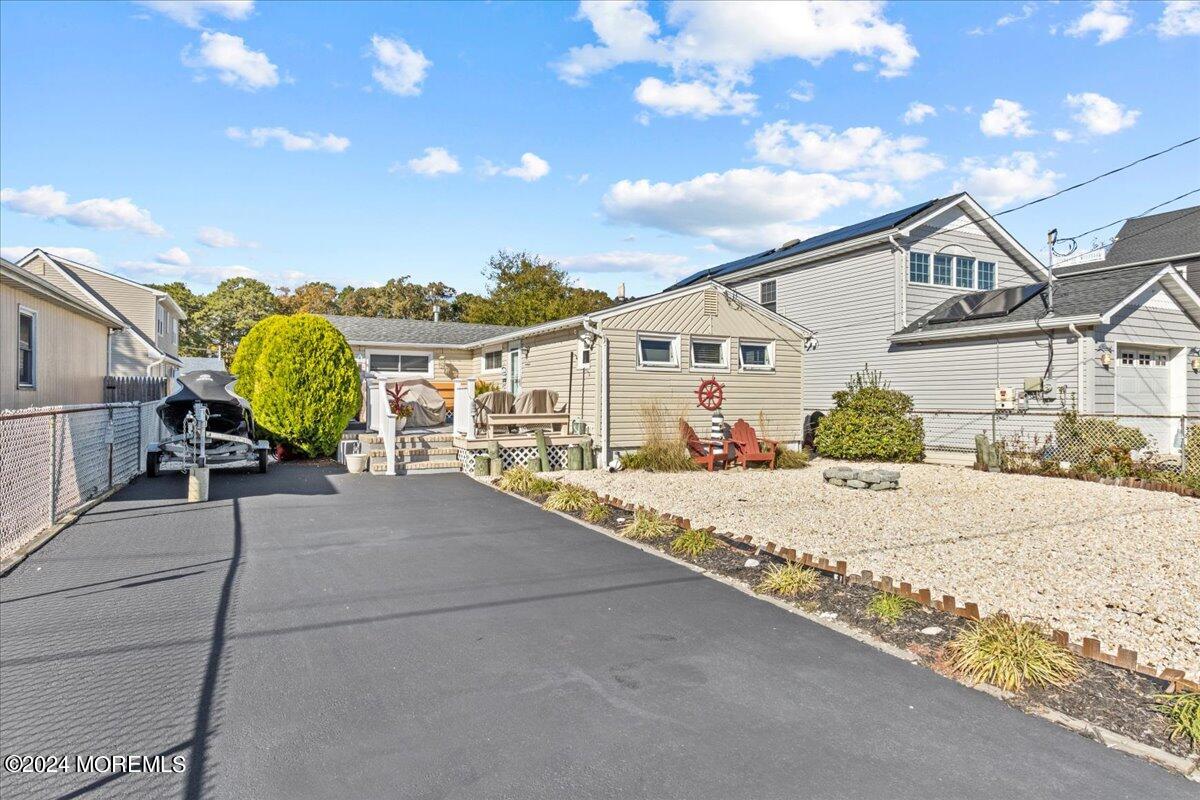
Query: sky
633, 142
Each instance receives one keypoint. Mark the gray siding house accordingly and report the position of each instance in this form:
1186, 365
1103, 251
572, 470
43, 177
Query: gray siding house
899, 292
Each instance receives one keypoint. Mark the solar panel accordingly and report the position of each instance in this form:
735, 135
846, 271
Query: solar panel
1002, 302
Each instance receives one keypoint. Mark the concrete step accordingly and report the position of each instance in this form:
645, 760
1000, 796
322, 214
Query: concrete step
414, 453
379, 466
410, 440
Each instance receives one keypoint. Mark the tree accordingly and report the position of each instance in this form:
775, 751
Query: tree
306, 384
231, 310
871, 421
316, 297
525, 289
191, 337
245, 360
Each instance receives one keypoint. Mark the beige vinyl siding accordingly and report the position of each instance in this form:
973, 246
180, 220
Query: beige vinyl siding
777, 394
131, 358
135, 302
71, 353
547, 365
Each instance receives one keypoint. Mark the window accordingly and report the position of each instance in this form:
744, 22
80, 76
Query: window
414, 363
493, 361
757, 355
1126, 357
383, 362
941, 270
766, 295
160, 321
585, 355
964, 272
27, 348
710, 354
1160, 359
985, 276
658, 352
918, 267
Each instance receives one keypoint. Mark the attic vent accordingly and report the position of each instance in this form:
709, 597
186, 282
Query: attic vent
710, 303
787, 244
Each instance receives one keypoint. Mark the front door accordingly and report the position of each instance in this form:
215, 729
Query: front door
514, 371
1143, 391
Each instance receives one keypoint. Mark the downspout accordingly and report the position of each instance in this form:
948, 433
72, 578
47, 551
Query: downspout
1083, 402
602, 392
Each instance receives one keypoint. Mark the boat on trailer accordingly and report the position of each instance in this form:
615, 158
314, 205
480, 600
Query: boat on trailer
209, 425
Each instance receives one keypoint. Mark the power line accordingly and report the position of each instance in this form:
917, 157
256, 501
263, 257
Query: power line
1135, 216
1151, 229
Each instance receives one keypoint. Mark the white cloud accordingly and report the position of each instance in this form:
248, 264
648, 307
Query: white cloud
1027, 11
399, 68
694, 98
294, 142
1099, 115
1179, 18
667, 266
81, 254
803, 91
436, 161
1109, 19
740, 208
235, 64
918, 112
1006, 118
1062, 135
532, 168
192, 12
865, 153
720, 44
175, 256
1007, 179
101, 213
211, 236
208, 276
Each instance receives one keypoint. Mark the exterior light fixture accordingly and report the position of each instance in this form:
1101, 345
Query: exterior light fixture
1195, 359
1106, 356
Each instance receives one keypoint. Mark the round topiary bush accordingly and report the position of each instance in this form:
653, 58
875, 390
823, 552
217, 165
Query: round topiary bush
249, 348
306, 385
871, 422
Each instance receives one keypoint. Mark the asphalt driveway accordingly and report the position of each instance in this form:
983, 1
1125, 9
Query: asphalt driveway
315, 634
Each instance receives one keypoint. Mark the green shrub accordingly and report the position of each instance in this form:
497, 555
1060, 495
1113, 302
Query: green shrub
597, 512
306, 385
1183, 710
1087, 439
245, 358
788, 580
890, 608
694, 542
541, 485
1010, 655
483, 387
647, 527
515, 479
871, 422
568, 497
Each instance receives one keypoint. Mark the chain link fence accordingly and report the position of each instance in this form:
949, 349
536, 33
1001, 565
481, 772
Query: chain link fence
54, 460
1108, 444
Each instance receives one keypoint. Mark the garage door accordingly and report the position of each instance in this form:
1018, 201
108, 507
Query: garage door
1144, 388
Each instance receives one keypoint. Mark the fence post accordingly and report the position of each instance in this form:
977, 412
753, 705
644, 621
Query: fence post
110, 436
1183, 431
53, 466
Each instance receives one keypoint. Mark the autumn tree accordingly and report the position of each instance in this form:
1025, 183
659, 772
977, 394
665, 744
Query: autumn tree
525, 289
316, 297
231, 310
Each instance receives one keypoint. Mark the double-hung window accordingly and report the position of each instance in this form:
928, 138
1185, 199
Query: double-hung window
985, 275
964, 272
766, 295
26, 348
493, 361
756, 356
918, 267
657, 352
710, 354
942, 267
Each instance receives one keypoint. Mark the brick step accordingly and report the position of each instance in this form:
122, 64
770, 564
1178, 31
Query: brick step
414, 453
379, 466
407, 441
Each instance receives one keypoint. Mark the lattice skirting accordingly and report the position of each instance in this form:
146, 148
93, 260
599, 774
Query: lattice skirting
516, 456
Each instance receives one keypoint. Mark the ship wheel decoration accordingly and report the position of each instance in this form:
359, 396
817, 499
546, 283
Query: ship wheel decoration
711, 394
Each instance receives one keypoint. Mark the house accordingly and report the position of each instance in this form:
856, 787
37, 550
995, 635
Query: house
942, 299
55, 345
199, 363
603, 365
148, 344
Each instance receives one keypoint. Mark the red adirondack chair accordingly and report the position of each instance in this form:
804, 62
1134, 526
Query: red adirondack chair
747, 448
702, 452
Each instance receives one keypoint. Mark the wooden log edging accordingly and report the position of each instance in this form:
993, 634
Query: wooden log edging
1088, 647
1124, 483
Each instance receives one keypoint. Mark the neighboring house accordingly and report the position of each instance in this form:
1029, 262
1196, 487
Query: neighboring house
199, 363
55, 345
605, 364
908, 294
148, 344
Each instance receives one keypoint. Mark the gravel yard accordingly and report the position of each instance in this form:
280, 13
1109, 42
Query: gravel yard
1122, 565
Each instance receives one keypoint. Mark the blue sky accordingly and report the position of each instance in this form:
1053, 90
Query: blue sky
634, 142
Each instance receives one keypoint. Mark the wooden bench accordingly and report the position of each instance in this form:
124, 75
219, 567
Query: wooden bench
524, 420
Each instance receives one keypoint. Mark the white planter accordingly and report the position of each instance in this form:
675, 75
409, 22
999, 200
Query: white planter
356, 462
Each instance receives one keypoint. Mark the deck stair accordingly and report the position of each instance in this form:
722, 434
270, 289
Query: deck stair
422, 453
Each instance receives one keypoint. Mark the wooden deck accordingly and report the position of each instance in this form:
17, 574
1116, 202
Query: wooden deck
516, 440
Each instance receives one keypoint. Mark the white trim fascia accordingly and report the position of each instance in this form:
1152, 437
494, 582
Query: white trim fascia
986, 218
813, 255
1168, 260
38, 285
1166, 272
991, 330
422, 345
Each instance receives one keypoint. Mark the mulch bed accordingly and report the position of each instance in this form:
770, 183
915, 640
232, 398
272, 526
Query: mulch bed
1116, 699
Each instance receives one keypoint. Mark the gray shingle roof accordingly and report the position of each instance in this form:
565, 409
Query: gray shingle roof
412, 331
1091, 293
1156, 237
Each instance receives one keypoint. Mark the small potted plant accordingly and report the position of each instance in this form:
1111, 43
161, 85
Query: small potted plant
400, 410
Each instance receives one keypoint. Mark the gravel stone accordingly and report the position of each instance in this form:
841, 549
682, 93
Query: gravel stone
856, 484
1093, 560
932, 630
751, 563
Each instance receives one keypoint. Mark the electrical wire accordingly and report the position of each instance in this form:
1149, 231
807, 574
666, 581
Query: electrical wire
1126, 219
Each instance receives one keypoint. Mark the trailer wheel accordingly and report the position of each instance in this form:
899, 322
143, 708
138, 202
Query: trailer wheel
262, 462
152, 464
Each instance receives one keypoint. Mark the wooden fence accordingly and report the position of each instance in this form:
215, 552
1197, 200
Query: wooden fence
134, 389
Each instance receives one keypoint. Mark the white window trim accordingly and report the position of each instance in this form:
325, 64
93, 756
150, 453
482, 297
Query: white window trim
770, 367
995, 273
933, 270
427, 374
722, 367
483, 368
33, 345
774, 302
651, 367
928, 268
954, 272
583, 348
